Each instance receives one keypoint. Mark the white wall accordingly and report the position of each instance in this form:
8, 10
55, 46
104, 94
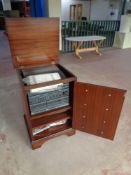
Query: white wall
54, 8
6, 4
101, 9
117, 6
65, 8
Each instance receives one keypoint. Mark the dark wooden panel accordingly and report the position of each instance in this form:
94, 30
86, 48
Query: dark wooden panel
112, 105
97, 109
38, 143
53, 130
33, 41
50, 119
51, 112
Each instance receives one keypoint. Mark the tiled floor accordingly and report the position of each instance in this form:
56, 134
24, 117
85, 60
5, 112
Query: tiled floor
81, 154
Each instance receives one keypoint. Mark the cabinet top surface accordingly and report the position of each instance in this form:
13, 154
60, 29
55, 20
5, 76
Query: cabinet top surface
33, 41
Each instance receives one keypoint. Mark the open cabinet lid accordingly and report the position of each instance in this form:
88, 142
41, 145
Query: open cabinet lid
33, 41
97, 109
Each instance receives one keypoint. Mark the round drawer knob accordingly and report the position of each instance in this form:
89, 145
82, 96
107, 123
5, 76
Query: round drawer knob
102, 132
86, 90
85, 104
107, 109
83, 127
53, 62
109, 95
104, 122
83, 116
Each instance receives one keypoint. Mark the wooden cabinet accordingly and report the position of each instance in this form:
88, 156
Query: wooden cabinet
91, 108
41, 119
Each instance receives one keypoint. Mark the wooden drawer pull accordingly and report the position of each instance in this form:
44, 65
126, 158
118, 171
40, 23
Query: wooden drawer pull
83, 116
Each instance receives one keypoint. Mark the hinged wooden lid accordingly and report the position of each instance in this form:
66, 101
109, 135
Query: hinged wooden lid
33, 41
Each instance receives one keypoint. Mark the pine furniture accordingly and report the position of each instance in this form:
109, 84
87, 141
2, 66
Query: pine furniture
78, 42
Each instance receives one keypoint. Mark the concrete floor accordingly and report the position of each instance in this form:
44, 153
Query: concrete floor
81, 154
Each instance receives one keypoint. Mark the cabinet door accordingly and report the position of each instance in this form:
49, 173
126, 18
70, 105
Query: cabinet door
97, 109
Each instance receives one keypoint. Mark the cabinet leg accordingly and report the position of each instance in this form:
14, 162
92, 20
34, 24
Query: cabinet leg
38, 144
71, 133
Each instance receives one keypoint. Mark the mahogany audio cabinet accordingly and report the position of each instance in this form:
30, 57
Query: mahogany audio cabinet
34, 44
